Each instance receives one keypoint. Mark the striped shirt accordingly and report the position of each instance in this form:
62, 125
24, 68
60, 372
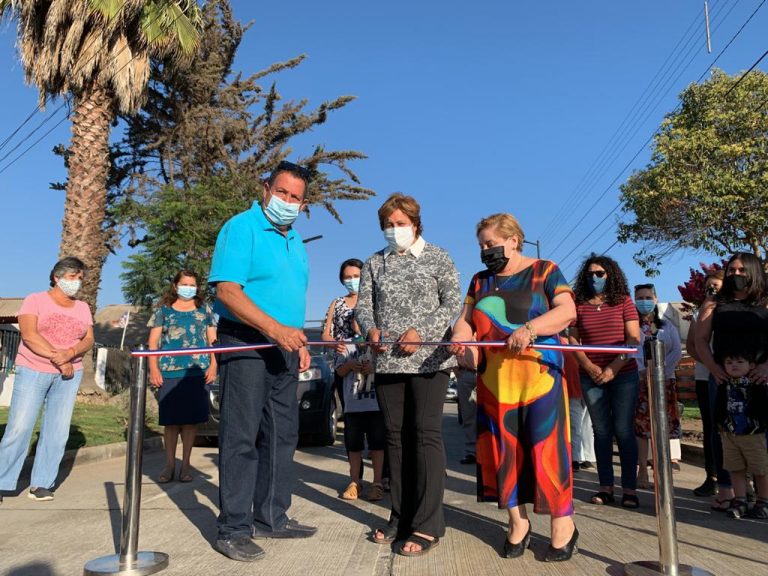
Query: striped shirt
604, 325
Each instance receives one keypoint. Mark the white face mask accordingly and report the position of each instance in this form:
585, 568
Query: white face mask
69, 287
399, 238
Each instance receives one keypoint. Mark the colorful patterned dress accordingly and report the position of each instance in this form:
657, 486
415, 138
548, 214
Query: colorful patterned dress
523, 441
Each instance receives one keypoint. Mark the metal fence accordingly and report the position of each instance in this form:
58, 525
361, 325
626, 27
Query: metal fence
9, 346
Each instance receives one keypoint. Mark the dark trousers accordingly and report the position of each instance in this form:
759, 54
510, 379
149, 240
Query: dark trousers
258, 433
412, 405
713, 446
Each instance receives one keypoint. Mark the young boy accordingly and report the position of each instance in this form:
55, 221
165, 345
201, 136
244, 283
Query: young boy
741, 415
362, 420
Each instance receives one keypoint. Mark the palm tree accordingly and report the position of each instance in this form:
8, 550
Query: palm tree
96, 53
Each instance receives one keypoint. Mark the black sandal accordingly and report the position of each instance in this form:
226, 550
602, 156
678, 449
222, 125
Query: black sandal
389, 532
426, 545
602, 498
630, 501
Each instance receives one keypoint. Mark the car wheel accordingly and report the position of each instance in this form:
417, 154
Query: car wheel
328, 435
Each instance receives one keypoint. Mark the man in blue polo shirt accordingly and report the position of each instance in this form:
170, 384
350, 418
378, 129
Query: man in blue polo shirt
260, 272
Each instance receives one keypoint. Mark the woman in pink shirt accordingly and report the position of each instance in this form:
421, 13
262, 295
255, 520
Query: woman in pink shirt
56, 331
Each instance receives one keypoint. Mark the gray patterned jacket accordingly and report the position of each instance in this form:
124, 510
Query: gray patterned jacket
419, 291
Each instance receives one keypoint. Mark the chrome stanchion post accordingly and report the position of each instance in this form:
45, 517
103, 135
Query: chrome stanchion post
129, 561
668, 563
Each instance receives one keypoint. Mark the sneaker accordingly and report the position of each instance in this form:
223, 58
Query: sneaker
575, 465
708, 488
586, 465
240, 548
468, 459
292, 529
40, 494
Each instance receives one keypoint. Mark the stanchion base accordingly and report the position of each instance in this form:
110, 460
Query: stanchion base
652, 568
146, 563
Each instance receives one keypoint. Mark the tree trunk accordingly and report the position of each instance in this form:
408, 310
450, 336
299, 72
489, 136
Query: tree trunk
85, 205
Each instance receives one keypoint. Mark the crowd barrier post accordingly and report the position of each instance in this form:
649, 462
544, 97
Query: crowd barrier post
129, 561
668, 563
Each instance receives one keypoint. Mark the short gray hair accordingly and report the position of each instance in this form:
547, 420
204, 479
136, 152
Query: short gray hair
66, 266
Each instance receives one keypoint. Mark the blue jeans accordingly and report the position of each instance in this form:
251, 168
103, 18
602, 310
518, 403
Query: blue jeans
258, 433
612, 409
33, 390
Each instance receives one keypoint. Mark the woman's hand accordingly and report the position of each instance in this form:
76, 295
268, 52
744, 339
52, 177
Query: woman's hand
340, 348
605, 376
409, 335
593, 371
67, 370
374, 337
719, 374
366, 367
210, 375
519, 340
156, 378
456, 349
60, 357
759, 374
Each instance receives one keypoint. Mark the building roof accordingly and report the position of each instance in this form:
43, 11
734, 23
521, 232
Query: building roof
9, 308
108, 332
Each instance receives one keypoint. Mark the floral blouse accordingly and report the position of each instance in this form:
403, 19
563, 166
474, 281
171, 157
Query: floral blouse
182, 330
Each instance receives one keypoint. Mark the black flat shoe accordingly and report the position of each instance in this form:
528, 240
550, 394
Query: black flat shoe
517, 550
708, 488
564, 553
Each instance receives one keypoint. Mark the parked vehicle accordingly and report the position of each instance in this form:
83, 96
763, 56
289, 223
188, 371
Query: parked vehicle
319, 405
452, 394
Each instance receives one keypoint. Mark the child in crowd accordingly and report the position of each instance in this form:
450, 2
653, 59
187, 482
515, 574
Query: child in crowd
362, 420
740, 412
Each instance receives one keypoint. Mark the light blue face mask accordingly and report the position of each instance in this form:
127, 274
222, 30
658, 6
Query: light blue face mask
598, 284
186, 292
281, 212
645, 307
352, 284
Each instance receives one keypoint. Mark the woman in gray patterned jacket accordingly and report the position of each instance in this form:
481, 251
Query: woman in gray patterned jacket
409, 292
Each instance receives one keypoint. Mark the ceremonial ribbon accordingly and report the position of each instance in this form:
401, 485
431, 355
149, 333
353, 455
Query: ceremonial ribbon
324, 343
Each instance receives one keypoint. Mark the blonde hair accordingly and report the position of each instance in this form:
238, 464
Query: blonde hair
406, 204
506, 226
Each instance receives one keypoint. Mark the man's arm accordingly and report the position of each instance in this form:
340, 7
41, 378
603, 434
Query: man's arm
231, 295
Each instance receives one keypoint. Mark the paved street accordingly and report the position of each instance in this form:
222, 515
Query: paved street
57, 538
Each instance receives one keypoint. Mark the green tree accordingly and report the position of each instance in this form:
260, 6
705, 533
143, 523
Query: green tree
197, 152
96, 52
706, 186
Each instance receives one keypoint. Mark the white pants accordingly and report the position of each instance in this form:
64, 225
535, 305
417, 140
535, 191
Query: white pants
582, 435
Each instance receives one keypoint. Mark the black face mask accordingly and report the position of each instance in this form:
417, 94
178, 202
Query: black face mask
737, 283
494, 259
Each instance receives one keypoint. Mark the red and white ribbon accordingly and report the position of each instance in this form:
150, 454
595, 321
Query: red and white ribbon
324, 343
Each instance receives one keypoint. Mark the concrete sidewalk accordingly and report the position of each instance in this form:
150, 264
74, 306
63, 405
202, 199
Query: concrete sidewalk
83, 522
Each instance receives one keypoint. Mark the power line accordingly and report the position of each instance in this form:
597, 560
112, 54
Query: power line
42, 104
68, 101
732, 88
656, 131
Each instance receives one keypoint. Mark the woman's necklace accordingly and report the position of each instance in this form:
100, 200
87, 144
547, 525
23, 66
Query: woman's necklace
598, 306
507, 277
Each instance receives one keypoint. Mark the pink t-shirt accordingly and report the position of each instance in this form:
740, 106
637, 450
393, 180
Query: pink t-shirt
62, 327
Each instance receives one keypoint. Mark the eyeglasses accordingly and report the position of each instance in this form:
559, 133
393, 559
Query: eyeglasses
644, 287
286, 166
598, 273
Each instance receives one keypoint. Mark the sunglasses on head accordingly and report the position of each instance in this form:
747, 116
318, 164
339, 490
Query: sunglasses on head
305, 173
598, 273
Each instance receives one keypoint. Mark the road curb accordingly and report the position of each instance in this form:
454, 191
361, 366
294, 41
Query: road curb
91, 454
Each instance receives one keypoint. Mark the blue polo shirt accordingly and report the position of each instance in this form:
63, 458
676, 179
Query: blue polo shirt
271, 268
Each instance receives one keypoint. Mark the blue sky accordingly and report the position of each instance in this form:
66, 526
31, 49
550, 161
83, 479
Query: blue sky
472, 109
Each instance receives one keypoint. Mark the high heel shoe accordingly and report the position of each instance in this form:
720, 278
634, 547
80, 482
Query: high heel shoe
517, 550
564, 553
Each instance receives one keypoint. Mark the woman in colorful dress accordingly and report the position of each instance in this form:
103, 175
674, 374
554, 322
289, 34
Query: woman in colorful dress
606, 315
523, 449
182, 320
339, 321
653, 326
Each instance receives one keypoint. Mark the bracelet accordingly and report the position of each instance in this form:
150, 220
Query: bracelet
531, 331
